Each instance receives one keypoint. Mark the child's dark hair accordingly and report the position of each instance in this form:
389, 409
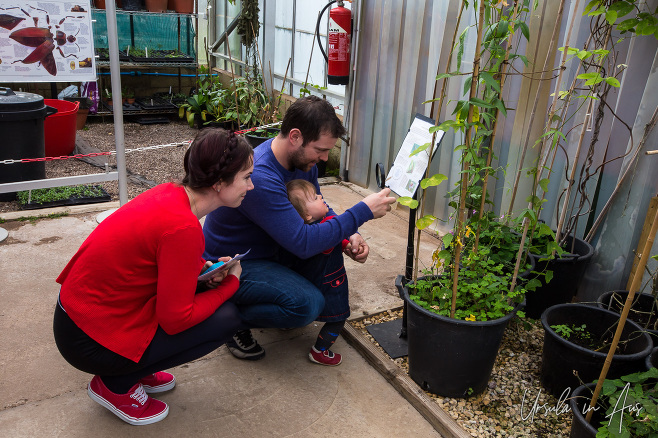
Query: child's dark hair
313, 117
300, 191
215, 155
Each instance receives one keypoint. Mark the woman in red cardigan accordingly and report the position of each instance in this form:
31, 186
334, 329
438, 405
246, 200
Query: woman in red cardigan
130, 305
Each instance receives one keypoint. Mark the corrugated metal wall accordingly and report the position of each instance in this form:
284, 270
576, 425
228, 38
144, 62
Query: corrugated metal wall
403, 44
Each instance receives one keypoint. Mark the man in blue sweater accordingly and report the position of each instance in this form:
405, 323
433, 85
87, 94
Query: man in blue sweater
276, 285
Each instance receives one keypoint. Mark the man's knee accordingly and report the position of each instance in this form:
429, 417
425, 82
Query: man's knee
307, 308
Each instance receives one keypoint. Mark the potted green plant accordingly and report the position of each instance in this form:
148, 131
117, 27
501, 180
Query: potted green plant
129, 95
628, 407
568, 359
457, 315
108, 97
573, 128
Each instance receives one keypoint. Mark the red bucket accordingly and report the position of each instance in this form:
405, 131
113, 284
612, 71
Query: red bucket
59, 129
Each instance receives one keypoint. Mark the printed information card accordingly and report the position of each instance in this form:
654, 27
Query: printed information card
407, 171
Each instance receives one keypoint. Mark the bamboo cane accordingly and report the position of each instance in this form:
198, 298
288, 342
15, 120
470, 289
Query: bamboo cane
436, 122
485, 182
554, 36
637, 280
565, 204
465, 165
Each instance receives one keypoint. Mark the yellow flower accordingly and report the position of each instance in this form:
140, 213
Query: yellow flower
469, 231
471, 318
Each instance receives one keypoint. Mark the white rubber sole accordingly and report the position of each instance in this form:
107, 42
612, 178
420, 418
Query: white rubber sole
160, 388
125, 417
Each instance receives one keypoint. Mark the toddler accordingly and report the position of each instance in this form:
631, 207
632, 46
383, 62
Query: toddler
312, 208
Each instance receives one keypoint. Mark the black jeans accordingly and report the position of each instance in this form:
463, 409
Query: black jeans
165, 351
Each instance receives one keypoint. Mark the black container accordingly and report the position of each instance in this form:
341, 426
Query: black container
21, 129
581, 398
133, 5
560, 357
256, 140
644, 305
568, 270
652, 359
447, 356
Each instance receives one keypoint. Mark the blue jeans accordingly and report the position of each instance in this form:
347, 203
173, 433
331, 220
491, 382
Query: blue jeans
281, 293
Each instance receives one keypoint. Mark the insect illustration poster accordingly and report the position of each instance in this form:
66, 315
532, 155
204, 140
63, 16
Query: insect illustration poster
46, 41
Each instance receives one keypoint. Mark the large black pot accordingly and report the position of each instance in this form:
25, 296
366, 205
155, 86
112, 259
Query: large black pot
22, 117
581, 398
643, 305
567, 273
256, 140
560, 357
652, 359
450, 357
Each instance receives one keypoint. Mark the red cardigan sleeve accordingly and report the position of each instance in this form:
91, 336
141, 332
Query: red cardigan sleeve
178, 306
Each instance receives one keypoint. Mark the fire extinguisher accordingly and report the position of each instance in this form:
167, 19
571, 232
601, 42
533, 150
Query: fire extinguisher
338, 43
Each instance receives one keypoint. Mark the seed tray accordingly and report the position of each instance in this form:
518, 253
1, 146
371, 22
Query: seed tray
105, 197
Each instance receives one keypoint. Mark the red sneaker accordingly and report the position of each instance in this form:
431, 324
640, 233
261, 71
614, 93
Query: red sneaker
325, 357
158, 382
135, 407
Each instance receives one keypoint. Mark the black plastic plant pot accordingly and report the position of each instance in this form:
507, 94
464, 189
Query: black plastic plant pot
642, 310
579, 403
562, 358
256, 140
568, 270
450, 357
652, 359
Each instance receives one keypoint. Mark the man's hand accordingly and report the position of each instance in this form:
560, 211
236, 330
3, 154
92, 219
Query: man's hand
358, 249
379, 203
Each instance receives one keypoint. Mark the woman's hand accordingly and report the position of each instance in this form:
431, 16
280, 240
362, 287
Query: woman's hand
216, 279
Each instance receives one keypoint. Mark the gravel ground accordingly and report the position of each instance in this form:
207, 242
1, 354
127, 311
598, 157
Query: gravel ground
149, 167
497, 412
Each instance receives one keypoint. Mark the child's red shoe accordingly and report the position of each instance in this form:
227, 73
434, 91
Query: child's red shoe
325, 357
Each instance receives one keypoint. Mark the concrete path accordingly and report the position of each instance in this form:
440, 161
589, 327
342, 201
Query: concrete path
282, 395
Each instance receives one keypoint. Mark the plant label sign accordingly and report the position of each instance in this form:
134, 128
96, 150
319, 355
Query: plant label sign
46, 41
410, 164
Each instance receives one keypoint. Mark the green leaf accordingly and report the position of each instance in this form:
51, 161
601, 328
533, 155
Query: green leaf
490, 81
467, 85
432, 181
613, 82
544, 184
645, 27
481, 103
420, 149
425, 221
621, 8
589, 6
524, 29
627, 25
611, 17
408, 201
460, 50
447, 239
501, 106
